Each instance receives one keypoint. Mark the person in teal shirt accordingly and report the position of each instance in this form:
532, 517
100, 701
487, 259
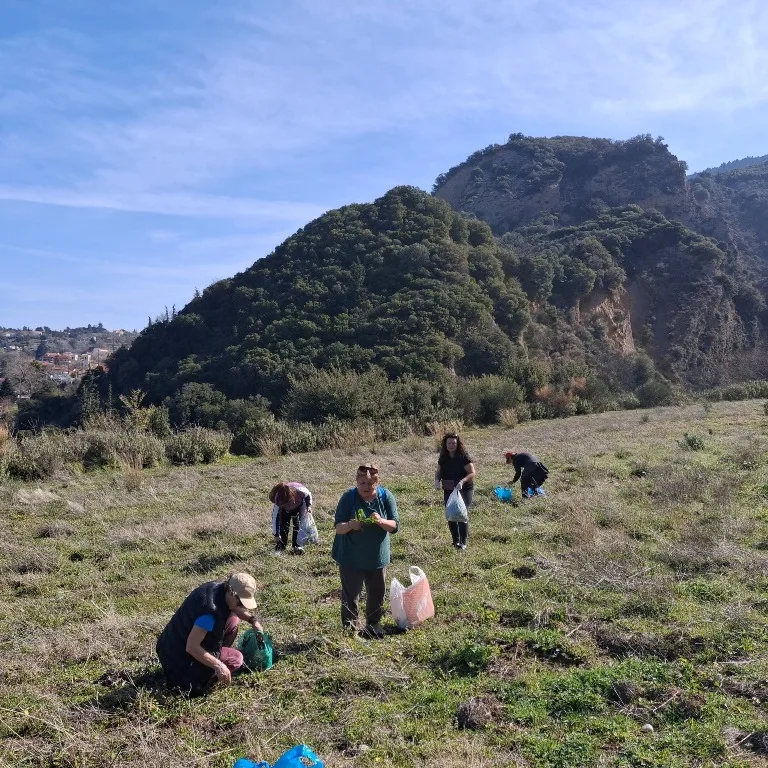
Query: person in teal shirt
366, 515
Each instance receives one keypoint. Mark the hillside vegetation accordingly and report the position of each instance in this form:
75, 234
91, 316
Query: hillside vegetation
633, 595
732, 165
544, 277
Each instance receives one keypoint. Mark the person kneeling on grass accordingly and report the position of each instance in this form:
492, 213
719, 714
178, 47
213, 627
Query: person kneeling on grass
365, 517
528, 469
196, 645
291, 501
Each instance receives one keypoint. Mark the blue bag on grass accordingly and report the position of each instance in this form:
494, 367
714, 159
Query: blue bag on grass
502, 493
290, 759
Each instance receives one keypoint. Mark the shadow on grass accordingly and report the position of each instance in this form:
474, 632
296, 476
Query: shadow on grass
206, 563
126, 687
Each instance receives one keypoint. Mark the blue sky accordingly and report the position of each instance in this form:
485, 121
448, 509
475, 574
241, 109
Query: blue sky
150, 148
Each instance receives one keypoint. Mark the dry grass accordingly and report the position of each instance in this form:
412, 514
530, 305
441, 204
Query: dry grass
132, 466
508, 418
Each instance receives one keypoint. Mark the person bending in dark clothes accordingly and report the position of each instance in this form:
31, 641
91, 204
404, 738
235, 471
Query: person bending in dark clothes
528, 469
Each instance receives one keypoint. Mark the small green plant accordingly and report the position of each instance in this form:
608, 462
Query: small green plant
470, 658
692, 442
645, 418
765, 407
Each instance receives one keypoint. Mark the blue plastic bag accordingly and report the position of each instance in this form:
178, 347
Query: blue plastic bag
290, 759
502, 493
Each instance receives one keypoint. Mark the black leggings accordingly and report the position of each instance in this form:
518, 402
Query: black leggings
460, 531
531, 480
284, 519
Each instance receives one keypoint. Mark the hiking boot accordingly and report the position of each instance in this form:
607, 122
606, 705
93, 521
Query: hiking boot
298, 550
279, 546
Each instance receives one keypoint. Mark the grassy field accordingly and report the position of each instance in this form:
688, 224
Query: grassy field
634, 595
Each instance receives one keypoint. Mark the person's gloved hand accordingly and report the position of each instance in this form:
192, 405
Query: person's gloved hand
459, 485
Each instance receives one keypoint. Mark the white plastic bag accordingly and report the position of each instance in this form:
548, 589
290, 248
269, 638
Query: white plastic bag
455, 508
412, 605
308, 533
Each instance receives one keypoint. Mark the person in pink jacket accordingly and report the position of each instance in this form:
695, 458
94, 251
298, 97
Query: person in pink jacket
291, 501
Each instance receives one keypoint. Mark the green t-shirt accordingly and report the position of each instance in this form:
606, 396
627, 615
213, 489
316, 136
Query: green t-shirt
367, 549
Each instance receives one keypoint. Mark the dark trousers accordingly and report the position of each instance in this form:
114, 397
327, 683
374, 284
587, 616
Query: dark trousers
352, 581
460, 531
532, 480
193, 678
284, 519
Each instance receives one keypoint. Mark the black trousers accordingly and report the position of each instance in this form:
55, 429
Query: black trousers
352, 581
460, 531
532, 480
284, 519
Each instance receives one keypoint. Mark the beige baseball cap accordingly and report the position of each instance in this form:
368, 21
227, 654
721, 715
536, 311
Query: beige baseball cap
244, 586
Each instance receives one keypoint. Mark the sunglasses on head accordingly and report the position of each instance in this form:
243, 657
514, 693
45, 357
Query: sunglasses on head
367, 469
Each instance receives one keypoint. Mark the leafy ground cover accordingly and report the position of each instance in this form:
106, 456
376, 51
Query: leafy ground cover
635, 595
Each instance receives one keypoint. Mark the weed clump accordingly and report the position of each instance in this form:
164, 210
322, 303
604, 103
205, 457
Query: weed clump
692, 442
479, 712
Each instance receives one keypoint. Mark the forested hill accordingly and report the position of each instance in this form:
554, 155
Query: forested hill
404, 283
578, 271
412, 287
734, 165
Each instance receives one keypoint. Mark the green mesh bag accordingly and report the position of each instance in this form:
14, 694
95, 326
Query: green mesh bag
256, 648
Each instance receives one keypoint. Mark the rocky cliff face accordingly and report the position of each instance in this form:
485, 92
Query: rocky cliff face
696, 307
566, 180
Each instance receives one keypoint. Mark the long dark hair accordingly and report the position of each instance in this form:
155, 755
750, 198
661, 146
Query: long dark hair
460, 449
283, 494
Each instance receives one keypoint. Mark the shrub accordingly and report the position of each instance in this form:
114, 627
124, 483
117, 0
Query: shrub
344, 395
692, 442
523, 412
656, 393
159, 422
629, 402
112, 449
197, 445
437, 429
36, 457
480, 400
508, 418
393, 428
746, 390
555, 403
20, 465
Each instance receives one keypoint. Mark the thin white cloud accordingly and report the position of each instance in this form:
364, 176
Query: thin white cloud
170, 204
198, 263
